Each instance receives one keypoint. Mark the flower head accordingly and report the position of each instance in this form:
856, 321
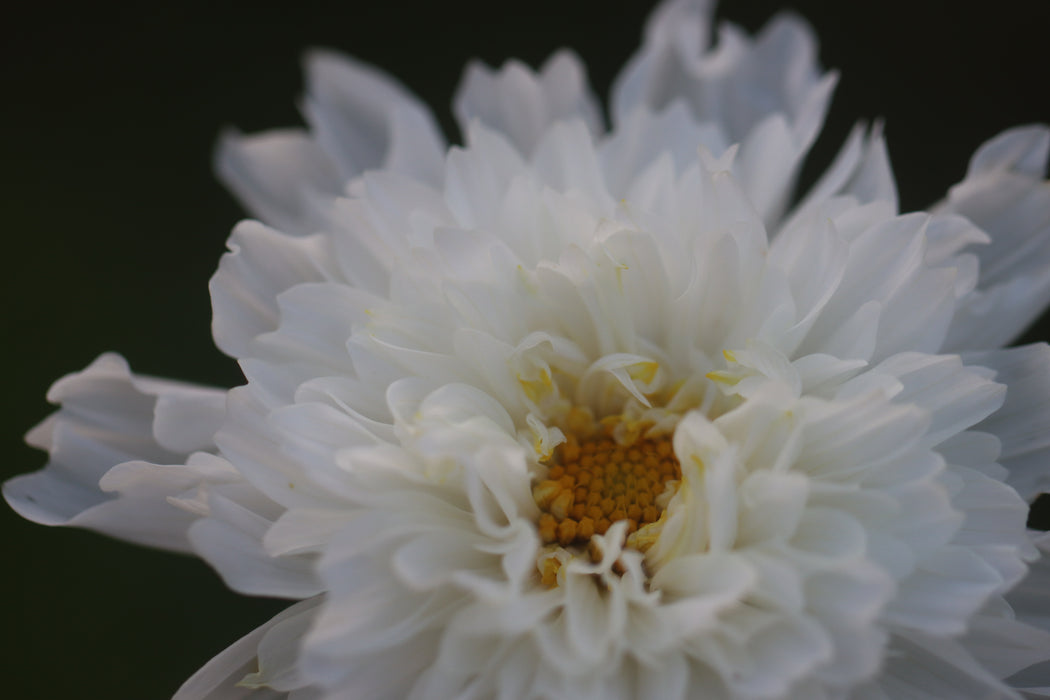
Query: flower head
574, 411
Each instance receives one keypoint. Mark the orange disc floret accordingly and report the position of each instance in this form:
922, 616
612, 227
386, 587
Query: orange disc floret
595, 482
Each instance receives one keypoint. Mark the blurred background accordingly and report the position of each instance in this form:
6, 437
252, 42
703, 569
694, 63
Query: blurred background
113, 223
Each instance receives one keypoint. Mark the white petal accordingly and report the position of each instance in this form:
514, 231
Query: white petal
645, 136
738, 83
282, 177
1005, 646
261, 264
772, 505
364, 119
186, 418
813, 257
767, 164
948, 587
246, 440
522, 104
476, 178
956, 397
219, 678
860, 172
1023, 423
230, 539
302, 530
842, 438
990, 318
1005, 194
932, 668
104, 451
1031, 597
278, 650
316, 322
887, 265
566, 160
675, 32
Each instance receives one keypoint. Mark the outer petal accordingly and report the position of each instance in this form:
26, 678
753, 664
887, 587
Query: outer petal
106, 442
364, 119
261, 264
361, 119
522, 104
676, 37
280, 176
231, 540
221, 678
886, 268
861, 170
1023, 423
766, 94
645, 137
919, 666
737, 83
1031, 598
1006, 195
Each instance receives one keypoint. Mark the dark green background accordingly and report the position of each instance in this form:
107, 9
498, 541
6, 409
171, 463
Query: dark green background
113, 223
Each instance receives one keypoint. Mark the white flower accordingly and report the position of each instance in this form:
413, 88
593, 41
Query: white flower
573, 412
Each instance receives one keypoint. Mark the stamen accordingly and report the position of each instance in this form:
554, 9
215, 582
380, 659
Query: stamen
597, 481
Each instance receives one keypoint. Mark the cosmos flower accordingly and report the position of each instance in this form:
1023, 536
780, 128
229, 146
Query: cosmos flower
575, 412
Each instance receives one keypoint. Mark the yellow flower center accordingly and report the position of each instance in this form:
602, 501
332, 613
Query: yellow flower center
596, 481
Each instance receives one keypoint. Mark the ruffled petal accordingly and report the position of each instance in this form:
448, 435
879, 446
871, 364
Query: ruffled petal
364, 120
230, 538
107, 444
282, 177
261, 264
1005, 194
1030, 599
522, 104
860, 171
766, 94
1023, 423
222, 677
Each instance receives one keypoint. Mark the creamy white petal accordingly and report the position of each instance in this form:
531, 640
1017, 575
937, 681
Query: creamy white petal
886, 265
230, 539
931, 668
220, 678
723, 88
1004, 645
476, 178
1031, 598
1023, 423
360, 119
956, 397
261, 264
522, 104
278, 649
248, 440
567, 161
106, 449
364, 119
1005, 193
645, 136
722, 84
922, 605
282, 177
861, 171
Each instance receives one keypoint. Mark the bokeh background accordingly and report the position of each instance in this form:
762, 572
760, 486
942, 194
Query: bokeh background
113, 223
